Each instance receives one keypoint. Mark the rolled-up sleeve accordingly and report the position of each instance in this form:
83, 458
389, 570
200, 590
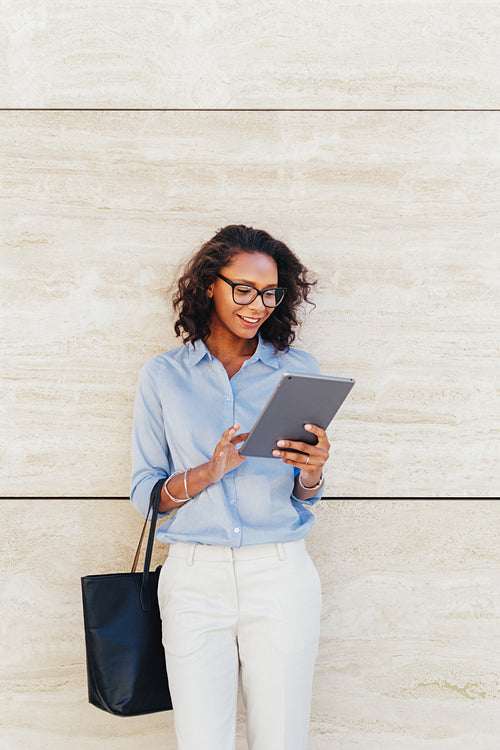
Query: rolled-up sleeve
314, 498
150, 454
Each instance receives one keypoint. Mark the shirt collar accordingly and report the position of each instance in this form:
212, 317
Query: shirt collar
196, 351
265, 352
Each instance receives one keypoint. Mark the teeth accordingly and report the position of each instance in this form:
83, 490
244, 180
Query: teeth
250, 320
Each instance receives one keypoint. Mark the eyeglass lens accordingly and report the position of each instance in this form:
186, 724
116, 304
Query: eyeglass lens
243, 295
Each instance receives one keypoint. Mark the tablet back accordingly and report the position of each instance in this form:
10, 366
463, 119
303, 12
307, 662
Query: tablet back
296, 400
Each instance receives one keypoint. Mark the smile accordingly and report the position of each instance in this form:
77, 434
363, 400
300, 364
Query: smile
252, 321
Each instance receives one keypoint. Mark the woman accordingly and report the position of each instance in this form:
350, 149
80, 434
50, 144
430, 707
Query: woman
239, 594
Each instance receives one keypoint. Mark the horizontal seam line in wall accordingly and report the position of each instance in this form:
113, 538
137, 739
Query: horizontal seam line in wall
338, 499
203, 109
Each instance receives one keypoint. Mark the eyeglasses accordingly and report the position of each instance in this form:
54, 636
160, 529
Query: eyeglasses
244, 294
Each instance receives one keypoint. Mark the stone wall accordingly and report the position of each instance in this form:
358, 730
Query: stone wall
366, 136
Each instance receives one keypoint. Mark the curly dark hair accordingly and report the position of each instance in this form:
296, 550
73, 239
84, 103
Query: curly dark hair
194, 306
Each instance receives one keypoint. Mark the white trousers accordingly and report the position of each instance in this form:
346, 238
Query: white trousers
252, 612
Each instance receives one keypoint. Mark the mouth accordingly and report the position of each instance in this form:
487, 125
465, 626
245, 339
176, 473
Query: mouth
250, 321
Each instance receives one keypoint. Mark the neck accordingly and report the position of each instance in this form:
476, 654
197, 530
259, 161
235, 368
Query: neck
224, 345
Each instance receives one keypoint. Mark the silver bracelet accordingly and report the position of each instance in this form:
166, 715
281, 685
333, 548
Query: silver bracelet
184, 499
316, 486
185, 484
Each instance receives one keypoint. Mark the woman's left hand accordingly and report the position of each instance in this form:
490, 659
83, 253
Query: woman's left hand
316, 456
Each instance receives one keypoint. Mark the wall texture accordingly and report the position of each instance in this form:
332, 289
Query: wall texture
409, 654
231, 53
365, 135
396, 213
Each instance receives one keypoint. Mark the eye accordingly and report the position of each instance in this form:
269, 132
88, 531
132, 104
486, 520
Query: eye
270, 295
243, 289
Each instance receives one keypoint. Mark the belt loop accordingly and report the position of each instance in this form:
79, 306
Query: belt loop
190, 554
281, 550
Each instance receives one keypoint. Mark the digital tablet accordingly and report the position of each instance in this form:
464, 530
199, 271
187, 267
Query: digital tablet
296, 401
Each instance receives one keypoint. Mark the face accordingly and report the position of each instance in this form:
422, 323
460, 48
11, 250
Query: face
243, 321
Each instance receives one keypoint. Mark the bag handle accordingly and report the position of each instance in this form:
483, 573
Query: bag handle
154, 504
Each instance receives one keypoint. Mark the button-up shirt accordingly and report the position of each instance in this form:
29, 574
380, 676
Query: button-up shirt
183, 404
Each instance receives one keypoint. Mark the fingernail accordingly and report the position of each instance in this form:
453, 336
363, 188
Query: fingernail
276, 453
308, 426
281, 443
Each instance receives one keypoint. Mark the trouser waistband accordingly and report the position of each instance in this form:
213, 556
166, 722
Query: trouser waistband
216, 553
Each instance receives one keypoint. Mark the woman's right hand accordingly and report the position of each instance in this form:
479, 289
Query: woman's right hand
225, 456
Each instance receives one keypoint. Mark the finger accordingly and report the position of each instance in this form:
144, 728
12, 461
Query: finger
316, 459
302, 464
319, 431
300, 446
229, 432
227, 435
239, 438
296, 445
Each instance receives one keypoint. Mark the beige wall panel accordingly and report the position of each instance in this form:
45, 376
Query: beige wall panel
220, 54
409, 655
396, 213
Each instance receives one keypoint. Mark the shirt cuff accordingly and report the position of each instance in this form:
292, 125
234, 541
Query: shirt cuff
141, 494
310, 500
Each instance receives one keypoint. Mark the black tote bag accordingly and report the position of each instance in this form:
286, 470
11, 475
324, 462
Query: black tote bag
126, 672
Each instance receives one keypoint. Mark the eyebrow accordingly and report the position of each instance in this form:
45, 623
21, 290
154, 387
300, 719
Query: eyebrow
250, 283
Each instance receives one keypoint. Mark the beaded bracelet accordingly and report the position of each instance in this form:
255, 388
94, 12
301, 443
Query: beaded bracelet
184, 499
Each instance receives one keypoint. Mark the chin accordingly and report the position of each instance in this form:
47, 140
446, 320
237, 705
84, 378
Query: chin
247, 334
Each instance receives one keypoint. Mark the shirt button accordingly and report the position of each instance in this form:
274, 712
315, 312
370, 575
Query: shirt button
232, 501
237, 530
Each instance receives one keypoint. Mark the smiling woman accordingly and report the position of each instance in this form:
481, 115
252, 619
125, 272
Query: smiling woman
235, 524
253, 274
194, 307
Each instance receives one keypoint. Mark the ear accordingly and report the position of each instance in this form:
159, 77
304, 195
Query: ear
210, 291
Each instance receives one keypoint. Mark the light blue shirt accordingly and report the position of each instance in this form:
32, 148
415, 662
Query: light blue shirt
183, 404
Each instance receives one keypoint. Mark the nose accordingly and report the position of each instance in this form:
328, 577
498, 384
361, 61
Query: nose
257, 304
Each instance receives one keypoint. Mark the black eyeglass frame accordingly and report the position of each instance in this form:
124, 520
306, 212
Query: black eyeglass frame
233, 284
